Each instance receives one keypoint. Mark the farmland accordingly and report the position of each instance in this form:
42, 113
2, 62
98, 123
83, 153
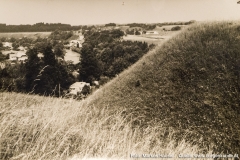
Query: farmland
32, 35
148, 39
154, 38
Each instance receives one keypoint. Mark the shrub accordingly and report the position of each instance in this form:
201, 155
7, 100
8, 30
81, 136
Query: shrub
176, 28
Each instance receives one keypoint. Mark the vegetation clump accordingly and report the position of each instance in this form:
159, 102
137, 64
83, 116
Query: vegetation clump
105, 54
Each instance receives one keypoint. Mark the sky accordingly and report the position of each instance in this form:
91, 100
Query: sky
84, 12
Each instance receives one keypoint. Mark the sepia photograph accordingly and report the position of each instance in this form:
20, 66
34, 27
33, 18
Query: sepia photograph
119, 79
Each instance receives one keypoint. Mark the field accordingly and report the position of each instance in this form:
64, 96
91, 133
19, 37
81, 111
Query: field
33, 35
154, 38
181, 98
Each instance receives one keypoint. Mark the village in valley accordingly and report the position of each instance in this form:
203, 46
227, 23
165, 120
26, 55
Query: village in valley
67, 46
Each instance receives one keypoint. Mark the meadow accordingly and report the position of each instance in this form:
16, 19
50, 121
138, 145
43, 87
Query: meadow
154, 38
149, 39
180, 98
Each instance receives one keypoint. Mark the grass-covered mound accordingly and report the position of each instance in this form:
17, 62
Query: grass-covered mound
191, 83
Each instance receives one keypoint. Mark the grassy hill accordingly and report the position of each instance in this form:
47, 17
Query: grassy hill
181, 98
190, 83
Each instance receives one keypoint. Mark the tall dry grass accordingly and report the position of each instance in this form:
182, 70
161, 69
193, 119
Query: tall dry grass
34, 127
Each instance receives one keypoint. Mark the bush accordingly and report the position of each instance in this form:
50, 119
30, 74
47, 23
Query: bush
176, 28
103, 80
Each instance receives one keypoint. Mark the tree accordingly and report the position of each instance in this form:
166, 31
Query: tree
118, 51
3, 39
15, 46
86, 90
131, 32
89, 65
49, 57
176, 28
2, 57
12, 39
137, 33
32, 69
59, 50
110, 24
52, 77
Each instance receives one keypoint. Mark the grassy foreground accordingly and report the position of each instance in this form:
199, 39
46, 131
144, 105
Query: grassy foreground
34, 127
181, 98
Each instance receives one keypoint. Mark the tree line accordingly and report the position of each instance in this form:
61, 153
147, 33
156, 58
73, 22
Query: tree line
153, 26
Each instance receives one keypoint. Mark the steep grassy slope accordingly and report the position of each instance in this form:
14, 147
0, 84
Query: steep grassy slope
190, 83
183, 97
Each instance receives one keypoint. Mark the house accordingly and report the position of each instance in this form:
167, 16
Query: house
95, 84
19, 56
75, 43
21, 48
77, 87
7, 45
12, 56
152, 32
81, 37
22, 58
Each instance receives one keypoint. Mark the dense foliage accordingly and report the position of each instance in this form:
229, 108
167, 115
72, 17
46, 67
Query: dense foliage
176, 23
176, 28
44, 76
105, 54
147, 27
110, 24
143, 26
2, 57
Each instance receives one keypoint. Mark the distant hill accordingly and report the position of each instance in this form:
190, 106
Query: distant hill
38, 27
181, 98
